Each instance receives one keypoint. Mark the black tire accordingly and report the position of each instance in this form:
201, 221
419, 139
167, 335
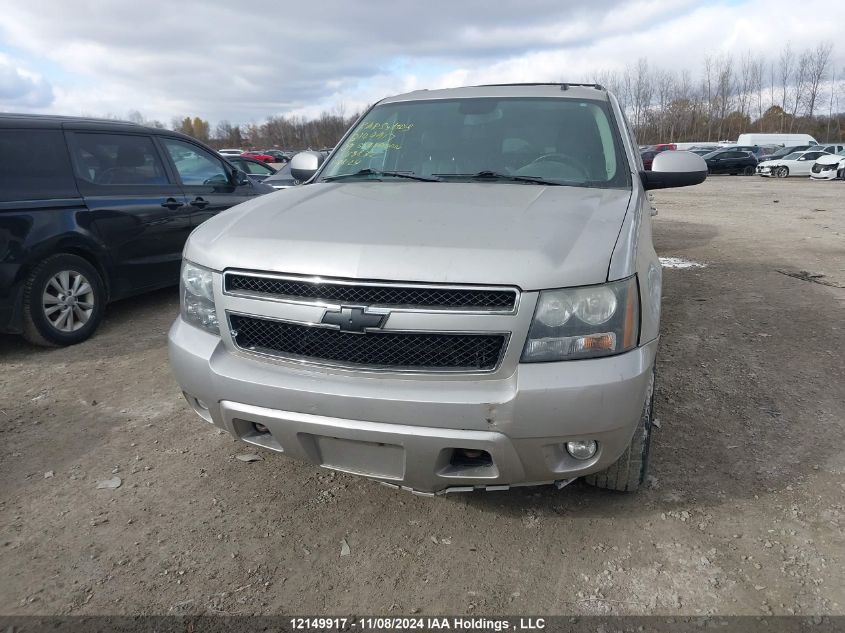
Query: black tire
748, 171
41, 296
782, 172
629, 471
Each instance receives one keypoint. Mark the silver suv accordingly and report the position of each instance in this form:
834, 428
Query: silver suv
464, 295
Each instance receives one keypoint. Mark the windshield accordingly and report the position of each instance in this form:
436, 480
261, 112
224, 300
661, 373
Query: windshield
792, 156
556, 140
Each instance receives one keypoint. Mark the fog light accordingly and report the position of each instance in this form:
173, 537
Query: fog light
260, 428
202, 405
582, 449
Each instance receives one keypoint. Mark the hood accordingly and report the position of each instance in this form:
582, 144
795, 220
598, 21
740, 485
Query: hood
830, 159
773, 163
528, 236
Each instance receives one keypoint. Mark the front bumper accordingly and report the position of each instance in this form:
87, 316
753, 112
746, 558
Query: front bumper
827, 174
405, 431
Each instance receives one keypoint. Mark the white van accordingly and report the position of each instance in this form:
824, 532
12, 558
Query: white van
786, 140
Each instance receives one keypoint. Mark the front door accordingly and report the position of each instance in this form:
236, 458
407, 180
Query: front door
139, 210
205, 178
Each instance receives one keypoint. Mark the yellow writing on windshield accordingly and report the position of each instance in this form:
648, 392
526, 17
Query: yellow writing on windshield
372, 139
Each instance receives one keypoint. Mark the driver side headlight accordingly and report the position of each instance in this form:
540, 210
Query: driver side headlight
585, 322
196, 287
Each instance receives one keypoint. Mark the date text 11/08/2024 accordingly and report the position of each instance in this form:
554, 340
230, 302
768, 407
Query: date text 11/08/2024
418, 623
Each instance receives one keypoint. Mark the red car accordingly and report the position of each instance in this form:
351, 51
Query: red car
264, 158
662, 147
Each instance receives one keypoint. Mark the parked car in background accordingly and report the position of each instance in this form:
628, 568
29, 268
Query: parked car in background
264, 158
794, 164
829, 166
662, 147
788, 150
439, 312
775, 139
278, 155
648, 157
731, 161
702, 151
757, 150
230, 152
95, 210
255, 169
830, 148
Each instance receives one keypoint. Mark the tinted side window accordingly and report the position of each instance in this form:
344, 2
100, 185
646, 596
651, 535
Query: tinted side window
34, 165
195, 166
117, 159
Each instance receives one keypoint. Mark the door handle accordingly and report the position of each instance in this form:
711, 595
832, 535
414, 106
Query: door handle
199, 203
172, 204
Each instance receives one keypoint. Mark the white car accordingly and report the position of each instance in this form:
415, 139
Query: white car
794, 164
829, 167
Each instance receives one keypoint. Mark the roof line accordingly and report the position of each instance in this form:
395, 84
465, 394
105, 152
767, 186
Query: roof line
563, 85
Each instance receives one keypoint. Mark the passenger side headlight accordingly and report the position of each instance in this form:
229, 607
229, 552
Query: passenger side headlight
196, 287
584, 322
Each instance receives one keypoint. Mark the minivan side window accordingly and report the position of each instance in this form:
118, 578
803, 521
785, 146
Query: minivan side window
195, 166
34, 165
117, 159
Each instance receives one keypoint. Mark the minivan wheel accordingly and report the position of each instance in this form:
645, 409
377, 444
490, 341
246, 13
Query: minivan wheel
782, 172
63, 301
629, 471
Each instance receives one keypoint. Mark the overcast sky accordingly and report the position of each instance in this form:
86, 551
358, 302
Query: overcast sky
245, 61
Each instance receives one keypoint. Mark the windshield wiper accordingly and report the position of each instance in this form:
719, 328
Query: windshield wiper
376, 172
494, 175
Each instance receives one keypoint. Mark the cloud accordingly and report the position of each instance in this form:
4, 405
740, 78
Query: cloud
20, 88
210, 58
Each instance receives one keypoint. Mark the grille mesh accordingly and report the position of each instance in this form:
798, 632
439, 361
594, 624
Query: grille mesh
405, 296
395, 350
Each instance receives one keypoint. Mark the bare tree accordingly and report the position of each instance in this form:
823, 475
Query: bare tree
801, 77
817, 69
787, 61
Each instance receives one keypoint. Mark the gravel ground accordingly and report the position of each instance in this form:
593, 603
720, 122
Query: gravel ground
743, 513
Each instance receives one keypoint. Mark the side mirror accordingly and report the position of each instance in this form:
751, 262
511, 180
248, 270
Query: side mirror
674, 169
305, 164
239, 178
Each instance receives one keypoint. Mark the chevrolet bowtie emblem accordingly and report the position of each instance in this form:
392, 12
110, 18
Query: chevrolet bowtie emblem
356, 320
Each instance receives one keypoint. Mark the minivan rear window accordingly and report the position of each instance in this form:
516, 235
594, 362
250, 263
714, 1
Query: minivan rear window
34, 165
117, 159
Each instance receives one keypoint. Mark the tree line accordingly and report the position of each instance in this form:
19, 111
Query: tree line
283, 132
798, 91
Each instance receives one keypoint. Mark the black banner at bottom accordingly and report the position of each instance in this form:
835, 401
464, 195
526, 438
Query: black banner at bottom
462, 624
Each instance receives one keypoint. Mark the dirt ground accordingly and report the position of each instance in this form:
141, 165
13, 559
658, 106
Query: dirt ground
743, 513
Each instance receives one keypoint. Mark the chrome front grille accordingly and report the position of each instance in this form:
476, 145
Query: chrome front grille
382, 294
375, 350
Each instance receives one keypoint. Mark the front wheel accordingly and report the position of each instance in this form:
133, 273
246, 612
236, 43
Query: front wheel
64, 299
748, 171
629, 471
782, 172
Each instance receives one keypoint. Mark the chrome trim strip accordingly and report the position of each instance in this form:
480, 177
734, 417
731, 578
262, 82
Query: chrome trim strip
314, 279
309, 362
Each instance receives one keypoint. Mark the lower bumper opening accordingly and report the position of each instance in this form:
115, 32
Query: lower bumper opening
467, 462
